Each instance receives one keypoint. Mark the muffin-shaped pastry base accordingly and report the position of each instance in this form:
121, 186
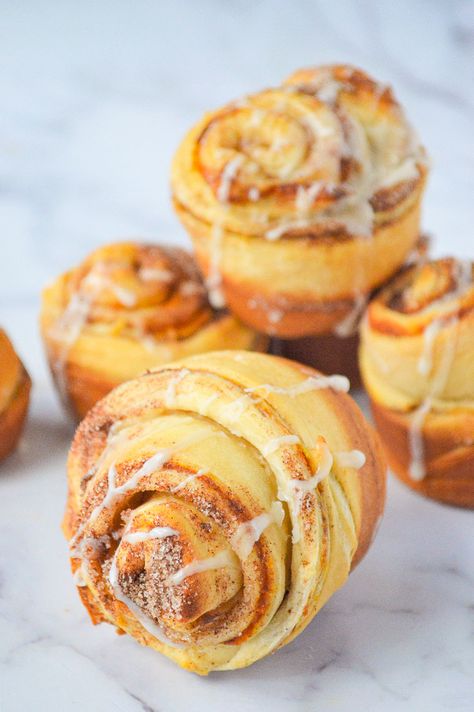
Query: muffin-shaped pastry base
15, 386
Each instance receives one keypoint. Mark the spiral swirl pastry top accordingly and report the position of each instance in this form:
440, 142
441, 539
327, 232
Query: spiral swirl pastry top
215, 504
128, 307
15, 387
327, 158
417, 362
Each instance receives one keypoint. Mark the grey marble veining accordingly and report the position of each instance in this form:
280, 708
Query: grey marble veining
94, 98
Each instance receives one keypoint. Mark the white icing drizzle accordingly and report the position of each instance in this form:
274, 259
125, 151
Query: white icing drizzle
351, 458
285, 226
148, 624
280, 141
223, 558
98, 280
236, 408
150, 466
214, 280
329, 91
425, 362
187, 480
248, 533
295, 491
313, 383
350, 323
79, 578
273, 444
406, 171
150, 343
190, 288
126, 297
256, 117
381, 364
70, 324
275, 316
68, 328
114, 437
322, 472
153, 274
205, 405
228, 175
170, 394
155, 533
417, 467
240, 357
359, 218
305, 196
414, 257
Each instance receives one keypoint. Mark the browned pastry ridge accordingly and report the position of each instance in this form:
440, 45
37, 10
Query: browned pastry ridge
417, 363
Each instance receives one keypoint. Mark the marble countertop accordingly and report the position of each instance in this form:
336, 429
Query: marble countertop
94, 98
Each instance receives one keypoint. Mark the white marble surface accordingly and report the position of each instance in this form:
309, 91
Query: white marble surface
94, 97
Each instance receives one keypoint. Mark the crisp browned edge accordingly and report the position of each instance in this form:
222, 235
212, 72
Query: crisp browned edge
13, 417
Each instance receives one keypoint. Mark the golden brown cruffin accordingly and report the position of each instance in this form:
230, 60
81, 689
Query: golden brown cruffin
216, 503
301, 199
417, 363
15, 386
127, 308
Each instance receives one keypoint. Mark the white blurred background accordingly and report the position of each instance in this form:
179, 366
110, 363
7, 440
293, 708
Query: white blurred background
95, 96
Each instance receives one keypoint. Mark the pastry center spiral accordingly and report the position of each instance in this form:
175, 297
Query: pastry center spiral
173, 563
275, 141
430, 283
119, 287
120, 283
